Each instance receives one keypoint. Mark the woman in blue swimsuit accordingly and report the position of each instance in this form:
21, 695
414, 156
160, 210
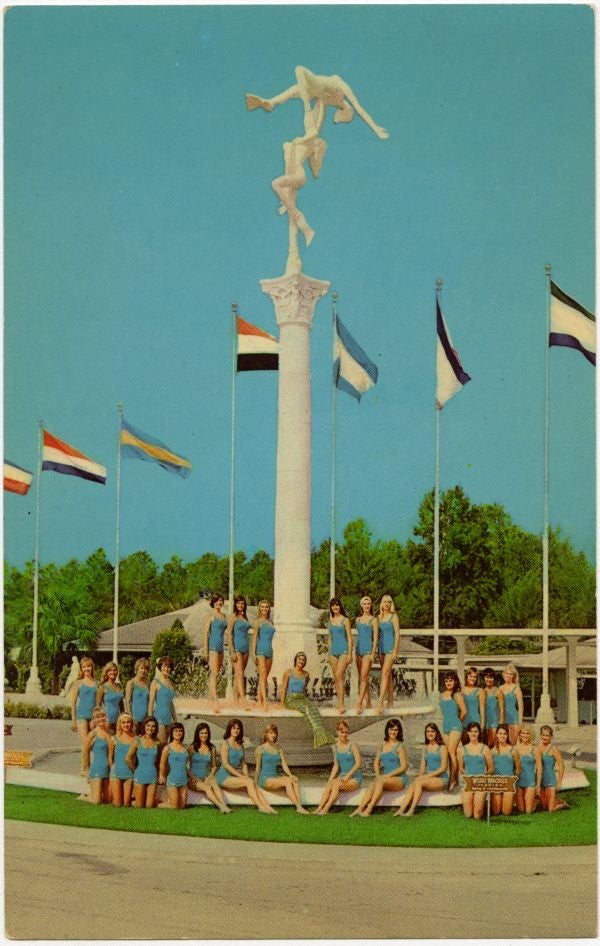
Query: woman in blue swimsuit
530, 775
294, 697
173, 769
340, 649
474, 698
550, 771
389, 642
474, 758
494, 706
121, 777
262, 651
238, 644
367, 638
233, 771
110, 694
83, 698
433, 771
162, 695
214, 635
143, 758
96, 746
454, 711
269, 759
390, 764
506, 762
346, 775
513, 702
137, 693
203, 767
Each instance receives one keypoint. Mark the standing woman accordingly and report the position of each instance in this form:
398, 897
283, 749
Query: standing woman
346, 775
389, 642
233, 771
96, 744
340, 649
174, 755
262, 651
390, 764
83, 698
162, 694
474, 758
137, 693
494, 706
146, 752
110, 694
293, 696
121, 782
203, 766
506, 762
433, 771
474, 698
214, 632
530, 775
454, 711
550, 771
367, 630
238, 644
269, 758
513, 702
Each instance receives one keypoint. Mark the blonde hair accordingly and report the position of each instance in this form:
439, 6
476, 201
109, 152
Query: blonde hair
393, 606
88, 662
109, 666
512, 669
268, 603
528, 729
119, 727
270, 728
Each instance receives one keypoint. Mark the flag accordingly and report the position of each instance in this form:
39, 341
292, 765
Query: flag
136, 445
63, 458
353, 370
256, 350
16, 479
571, 325
450, 375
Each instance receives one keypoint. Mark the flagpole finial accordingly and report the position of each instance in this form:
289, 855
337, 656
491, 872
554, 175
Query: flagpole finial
234, 306
335, 296
439, 283
548, 268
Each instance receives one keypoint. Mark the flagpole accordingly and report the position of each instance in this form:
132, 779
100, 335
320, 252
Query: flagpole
545, 714
117, 541
33, 685
234, 315
335, 297
436, 530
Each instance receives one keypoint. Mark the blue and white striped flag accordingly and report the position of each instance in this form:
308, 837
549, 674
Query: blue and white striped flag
353, 370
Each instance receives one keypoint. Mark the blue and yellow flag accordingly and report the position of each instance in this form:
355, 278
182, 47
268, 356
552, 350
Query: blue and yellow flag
136, 445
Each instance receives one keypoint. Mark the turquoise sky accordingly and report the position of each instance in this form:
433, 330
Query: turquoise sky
138, 206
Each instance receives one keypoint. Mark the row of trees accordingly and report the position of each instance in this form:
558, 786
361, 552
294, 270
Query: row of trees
490, 576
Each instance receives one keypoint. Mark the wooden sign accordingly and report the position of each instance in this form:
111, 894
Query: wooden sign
18, 758
490, 783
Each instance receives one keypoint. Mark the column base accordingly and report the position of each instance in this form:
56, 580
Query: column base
33, 686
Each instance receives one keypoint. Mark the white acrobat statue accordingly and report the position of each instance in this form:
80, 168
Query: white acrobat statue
324, 91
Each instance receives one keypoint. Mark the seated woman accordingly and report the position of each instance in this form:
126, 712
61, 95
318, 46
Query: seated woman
506, 762
269, 759
174, 758
346, 775
390, 763
233, 771
203, 766
529, 776
121, 776
293, 696
96, 744
550, 771
433, 771
474, 758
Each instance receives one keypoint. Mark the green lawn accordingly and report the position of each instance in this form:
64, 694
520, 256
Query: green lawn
428, 828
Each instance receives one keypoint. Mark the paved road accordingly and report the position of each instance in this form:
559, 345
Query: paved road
73, 883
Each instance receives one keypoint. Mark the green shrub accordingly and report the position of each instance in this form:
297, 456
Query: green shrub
25, 710
60, 712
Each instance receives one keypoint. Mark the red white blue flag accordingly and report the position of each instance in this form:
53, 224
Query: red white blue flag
451, 377
63, 458
571, 325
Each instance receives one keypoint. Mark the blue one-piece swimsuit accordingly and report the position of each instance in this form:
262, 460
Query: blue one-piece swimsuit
389, 761
386, 637
474, 764
472, 704
339, 640
112, 704
177, 776
86, 701
99, 767
139, 702
511, 709
364, 641
492, 711
269, 766
527, 776
548, 771
504, 763
216, 635
235, 757
296, 684
433, 760
451, 718
120, 769
264, 643
346, 761
145, 773
240, 636
163, 703
200, 764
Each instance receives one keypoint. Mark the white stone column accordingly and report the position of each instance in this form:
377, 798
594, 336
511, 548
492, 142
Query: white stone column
294, 297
